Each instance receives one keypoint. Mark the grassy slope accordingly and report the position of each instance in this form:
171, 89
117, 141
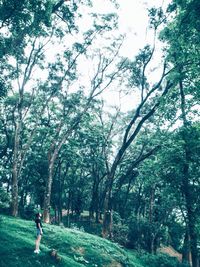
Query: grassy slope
75, 248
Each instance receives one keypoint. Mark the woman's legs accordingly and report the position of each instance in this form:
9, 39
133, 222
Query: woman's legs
37, 242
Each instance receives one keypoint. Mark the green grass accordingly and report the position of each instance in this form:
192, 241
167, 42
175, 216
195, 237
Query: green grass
74, 248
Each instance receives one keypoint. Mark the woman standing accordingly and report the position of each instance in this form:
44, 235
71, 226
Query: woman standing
39, 232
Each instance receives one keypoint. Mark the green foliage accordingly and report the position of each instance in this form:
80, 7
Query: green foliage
3, 88
120, 230
28, 212
156, 17
161, 260
182, 36
141, 232
4, 199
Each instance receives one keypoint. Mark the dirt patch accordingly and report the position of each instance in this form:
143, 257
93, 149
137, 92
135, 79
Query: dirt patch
113, 264
78, 250
171, 252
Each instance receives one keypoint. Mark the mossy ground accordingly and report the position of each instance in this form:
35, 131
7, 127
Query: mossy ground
74, 248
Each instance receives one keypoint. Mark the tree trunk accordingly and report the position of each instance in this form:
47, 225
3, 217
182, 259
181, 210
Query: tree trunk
94, 205
151, 211
47, 196
14, 185
14, 202
187, 189
107, 217
186, 254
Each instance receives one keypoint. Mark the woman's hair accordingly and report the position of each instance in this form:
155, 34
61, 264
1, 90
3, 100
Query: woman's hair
37, 215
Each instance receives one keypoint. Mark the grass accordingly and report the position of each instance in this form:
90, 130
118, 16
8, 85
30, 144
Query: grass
75, 248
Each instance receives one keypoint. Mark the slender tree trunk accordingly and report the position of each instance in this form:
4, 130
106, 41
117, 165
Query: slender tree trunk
22, 201
14, 184
61, 186
191, 217
68, 208
151, 210
94, 205
14, 202
107, 217
186, 254
47, 196
187, 190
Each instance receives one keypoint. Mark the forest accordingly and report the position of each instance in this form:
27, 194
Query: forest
129, 175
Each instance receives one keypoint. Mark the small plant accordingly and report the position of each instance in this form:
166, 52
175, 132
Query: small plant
54, 255
75, 227
120, 230
4, 200
28, 212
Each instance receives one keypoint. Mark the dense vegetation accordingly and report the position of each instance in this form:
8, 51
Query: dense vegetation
63, 151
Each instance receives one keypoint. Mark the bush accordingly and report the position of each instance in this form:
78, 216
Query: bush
4, 200
120, 230
28, 212
120, 234
161, 260
141, 233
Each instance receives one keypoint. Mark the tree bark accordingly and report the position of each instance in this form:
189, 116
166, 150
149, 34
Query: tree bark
47, 196
186, 254
14, 184
187, 190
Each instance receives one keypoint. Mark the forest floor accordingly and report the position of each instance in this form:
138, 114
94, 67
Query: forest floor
59, 247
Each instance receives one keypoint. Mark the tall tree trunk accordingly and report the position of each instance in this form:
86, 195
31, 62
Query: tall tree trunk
187, 190
107, 217
93, 200
94, 205
47, 196
68, 207
151, 236
14, 184
186, 254
14, 201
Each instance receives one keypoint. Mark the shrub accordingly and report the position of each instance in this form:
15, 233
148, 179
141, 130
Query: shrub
120, 233
120, 230
28, 212
161, 260
142, 234
4, 200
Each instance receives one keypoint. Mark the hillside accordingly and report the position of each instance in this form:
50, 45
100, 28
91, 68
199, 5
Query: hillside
74, 248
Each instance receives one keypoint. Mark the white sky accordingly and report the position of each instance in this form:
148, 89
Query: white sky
133, 20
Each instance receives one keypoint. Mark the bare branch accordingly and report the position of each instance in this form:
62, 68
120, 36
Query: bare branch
58, 5
137, 112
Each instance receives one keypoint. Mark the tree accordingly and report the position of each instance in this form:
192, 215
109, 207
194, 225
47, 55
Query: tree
145, 110
183, 33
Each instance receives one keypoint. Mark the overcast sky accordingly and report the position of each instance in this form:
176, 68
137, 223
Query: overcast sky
133, 20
